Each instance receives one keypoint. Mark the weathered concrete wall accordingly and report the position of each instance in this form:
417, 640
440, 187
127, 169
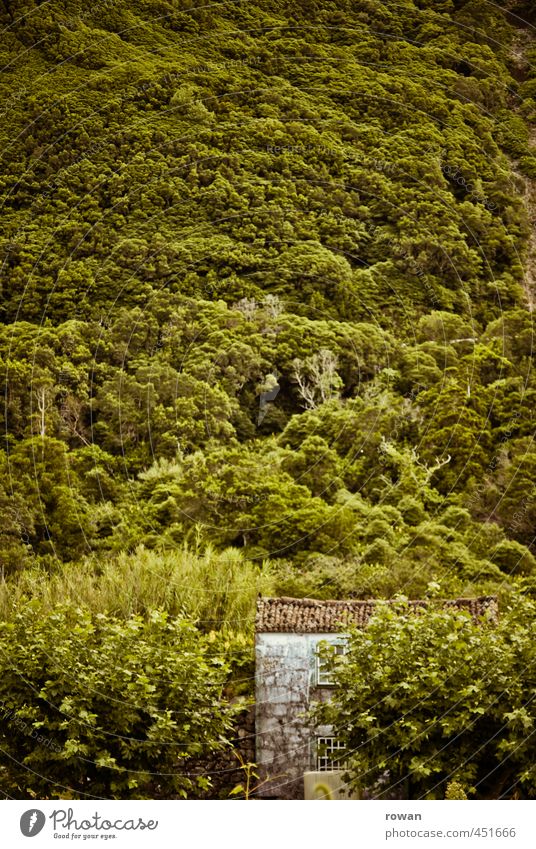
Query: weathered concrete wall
285, 687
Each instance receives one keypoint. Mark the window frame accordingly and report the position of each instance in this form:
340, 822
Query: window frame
326, 745
323, 677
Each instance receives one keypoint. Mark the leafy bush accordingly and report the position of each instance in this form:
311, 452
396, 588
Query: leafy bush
425, 699
95, 706
512, 557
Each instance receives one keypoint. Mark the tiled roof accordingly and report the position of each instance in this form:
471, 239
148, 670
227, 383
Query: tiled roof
309, 616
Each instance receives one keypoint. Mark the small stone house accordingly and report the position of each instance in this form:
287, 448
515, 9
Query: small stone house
290, 674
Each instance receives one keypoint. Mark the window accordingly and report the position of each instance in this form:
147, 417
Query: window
324, 674
329, 754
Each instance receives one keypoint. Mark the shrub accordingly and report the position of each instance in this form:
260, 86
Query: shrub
425, 699
511, 556
95, 706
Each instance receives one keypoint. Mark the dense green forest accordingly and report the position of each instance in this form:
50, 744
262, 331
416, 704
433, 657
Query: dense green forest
268, 273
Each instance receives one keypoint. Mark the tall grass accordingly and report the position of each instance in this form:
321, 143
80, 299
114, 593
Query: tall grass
218, 589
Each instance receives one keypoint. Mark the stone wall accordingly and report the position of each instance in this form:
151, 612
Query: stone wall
224, 768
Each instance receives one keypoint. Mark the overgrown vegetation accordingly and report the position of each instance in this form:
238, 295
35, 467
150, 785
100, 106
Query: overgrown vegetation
266, 312
424, 700
217, 591
117, 708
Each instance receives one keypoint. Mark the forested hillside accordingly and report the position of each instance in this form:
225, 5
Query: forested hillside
268, 275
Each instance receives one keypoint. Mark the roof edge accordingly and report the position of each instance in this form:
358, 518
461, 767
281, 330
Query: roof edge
310, 615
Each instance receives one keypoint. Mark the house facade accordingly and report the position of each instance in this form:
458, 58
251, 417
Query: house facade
291, 675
